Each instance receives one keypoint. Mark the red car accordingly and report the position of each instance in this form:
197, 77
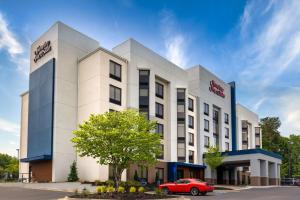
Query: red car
189, 185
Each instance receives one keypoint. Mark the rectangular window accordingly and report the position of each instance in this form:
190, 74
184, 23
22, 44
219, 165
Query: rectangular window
216, 140
115, 70
143, 172
191, 156
160, 174
206, 141
180, 131
160, 129
159, 110
226, 118
159, 90
227, 133
191, 105
114, 94
144, 92
161, 156
191, 139
191, 122
181, 150
206, 109
206, 125
226, 146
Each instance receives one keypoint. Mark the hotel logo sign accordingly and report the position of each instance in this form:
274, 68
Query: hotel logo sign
216, 88
42, 50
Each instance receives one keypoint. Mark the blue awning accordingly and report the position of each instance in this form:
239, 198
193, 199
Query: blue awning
252, 151
36, 158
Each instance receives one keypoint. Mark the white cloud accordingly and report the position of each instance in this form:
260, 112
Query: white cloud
8, 40
175, 42
10, 127
10, 43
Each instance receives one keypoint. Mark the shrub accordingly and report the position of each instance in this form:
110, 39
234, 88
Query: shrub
99, 183
110, 189
121, 189
101, 189
73, 177
141, 190
134, 184
158, 191
76, 191
123, 184
132, 190
110, 183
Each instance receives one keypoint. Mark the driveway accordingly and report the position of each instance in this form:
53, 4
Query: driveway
18, 193
273, 193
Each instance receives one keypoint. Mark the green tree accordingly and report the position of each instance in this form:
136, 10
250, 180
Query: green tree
9, 165
270, 134
73, 176
213, 158
118, 139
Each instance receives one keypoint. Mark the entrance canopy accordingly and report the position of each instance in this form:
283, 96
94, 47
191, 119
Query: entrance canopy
178, 170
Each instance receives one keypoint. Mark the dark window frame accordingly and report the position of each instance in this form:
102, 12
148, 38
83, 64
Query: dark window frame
227, 133
157, 86
113, 100
206, 111
157, 106
157, 129
162, 154
191, 104
191, 119
191, 154
226, 118
114, 76
191, 142
227, 145
206, 145
206, 129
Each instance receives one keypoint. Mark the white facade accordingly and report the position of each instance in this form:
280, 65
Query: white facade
84, 85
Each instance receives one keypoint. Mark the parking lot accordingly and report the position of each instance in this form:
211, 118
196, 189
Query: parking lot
275, 193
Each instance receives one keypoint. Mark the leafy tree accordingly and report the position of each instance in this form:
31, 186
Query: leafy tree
73, 177
270, 134
9, 165
213, 158
118, 139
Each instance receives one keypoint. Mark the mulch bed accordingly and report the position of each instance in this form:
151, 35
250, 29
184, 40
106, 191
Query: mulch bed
127, 196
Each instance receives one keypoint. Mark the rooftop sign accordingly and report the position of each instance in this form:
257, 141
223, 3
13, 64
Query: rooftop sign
216, 88
42, 50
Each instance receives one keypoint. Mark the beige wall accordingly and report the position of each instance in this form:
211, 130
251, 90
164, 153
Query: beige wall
93, 98
24, 167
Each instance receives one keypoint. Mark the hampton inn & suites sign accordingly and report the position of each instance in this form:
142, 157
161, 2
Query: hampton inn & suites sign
216, 88
42, 50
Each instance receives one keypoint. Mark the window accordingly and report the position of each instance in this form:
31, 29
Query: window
160, 174
226, 146
191, 122
191, 156
144, 93
161, 156
114, 95
226, 118
115, 70
160, 129
159, 90
159, 110
180, 133
257, 137
180, 95
227, 133
206, 109
206, 125
206, 141
143, 172
216, 140
191, 104
191, 139
181, 152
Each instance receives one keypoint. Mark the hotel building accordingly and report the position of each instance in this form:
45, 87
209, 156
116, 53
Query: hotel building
72, 77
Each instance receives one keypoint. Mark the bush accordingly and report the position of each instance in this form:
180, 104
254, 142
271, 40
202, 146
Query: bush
110, 183
101, 189
134, 184
121, 189
73, 177
158, 191
141, 190
85, 192
110, 189
99, 183
132, 190
123, 184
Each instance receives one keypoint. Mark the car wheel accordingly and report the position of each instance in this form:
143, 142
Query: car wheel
165, 190
194, 191
203, 193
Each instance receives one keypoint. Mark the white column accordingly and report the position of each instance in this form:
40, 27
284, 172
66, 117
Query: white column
264, 172
273, 173
255, 172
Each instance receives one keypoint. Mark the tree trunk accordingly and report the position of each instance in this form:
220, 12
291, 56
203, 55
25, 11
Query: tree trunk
118, 174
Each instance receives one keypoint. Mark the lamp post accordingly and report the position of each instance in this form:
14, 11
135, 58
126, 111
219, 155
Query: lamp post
18, 151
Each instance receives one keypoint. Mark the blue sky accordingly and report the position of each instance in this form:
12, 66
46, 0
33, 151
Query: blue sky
256, 43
